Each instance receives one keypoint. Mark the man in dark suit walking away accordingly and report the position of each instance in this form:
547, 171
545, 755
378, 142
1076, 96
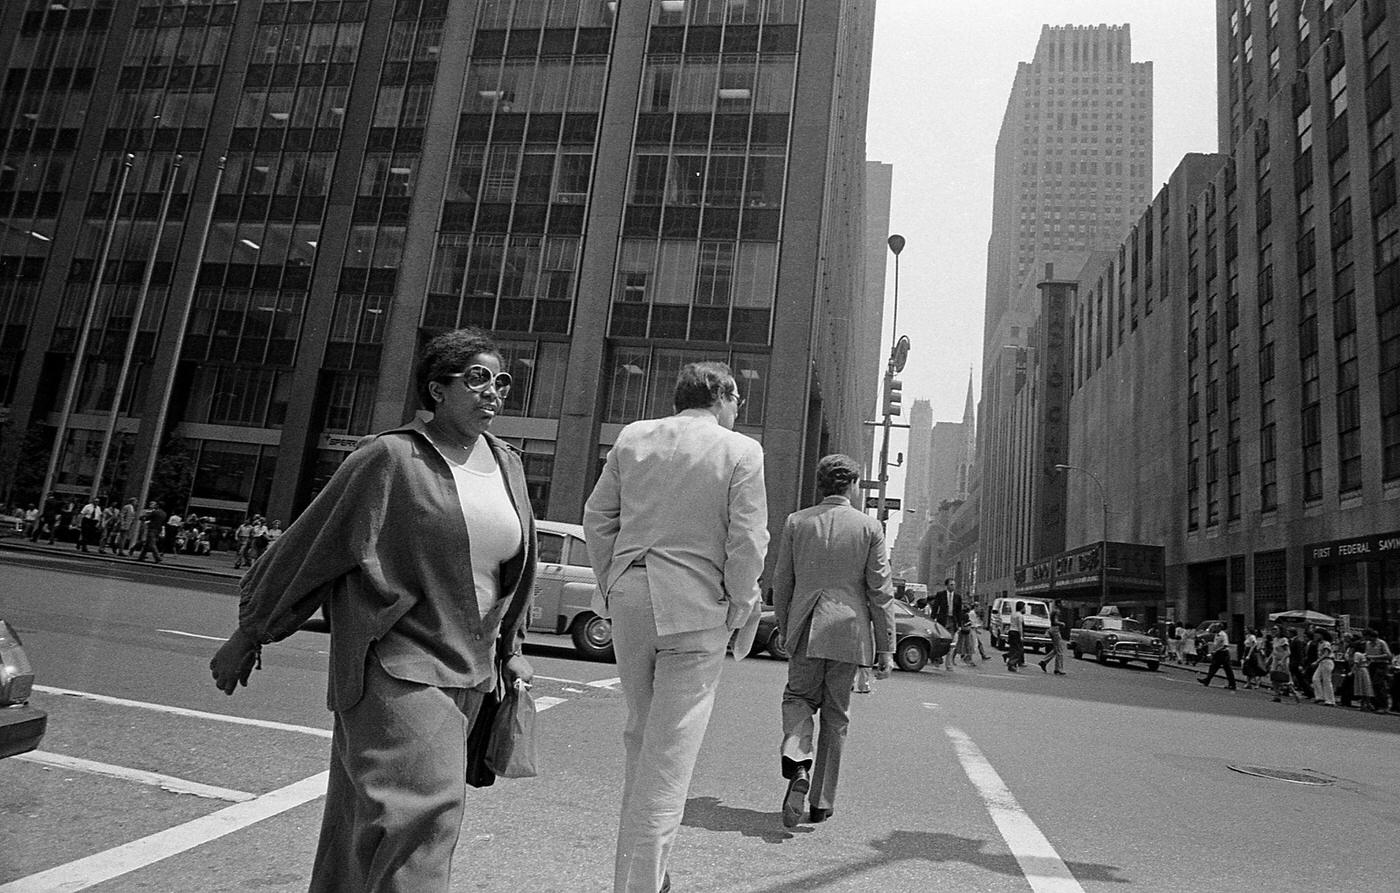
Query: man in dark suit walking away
832, 598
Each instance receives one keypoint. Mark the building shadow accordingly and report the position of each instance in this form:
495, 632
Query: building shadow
712, 815
936, 849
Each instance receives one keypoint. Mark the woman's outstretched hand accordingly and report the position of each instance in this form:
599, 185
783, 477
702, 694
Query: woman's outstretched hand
234, 661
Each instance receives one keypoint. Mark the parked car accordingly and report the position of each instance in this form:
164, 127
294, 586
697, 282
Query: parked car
1035, 628
22, 727
1111, 637
564, 587
915, 642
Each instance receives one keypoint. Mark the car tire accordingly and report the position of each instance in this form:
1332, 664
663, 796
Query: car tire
911, 655
775, 646
1152, 665
1100, 656
592, 637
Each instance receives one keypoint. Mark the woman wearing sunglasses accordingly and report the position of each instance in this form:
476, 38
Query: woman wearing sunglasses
421, 551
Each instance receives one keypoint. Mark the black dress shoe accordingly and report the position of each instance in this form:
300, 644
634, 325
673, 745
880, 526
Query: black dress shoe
665, 883
797, 789
816, 815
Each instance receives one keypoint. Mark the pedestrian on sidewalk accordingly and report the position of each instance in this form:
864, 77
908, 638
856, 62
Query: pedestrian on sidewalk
243, 544
1187, 646
89, 523
130, 522
110, 536
1220, 659
152, 525
1322, 676
1252, 663
832, 601
1361, 688
1280, 671
32, 517
1057, 643
259, 536
944, 607
966, 636
1378, 658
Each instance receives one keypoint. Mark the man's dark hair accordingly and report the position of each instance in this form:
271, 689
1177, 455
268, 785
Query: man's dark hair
702, 385
450, 353
835, 473
948, 581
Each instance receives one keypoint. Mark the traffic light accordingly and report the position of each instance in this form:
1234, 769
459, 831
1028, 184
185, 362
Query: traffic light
894, 395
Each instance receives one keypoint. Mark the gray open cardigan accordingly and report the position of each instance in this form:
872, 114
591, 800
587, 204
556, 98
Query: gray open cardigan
386, 532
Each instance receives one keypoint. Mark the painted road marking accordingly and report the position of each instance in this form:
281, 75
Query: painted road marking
180, 632
104, 866
1045, 871
183, 711
165, 782
608, 684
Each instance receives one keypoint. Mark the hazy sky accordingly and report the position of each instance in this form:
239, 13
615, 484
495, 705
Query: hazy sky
941, 77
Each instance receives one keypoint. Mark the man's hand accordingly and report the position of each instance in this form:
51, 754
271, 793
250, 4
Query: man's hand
233, 663
884, 665
518, 668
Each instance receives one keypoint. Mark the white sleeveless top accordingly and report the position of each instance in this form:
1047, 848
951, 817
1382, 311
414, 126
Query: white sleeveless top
493, 527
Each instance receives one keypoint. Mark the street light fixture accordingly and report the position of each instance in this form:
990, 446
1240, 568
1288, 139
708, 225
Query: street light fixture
1103, 557
899, 354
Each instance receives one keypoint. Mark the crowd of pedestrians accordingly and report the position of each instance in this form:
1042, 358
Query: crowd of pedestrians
1312, 662
111, 527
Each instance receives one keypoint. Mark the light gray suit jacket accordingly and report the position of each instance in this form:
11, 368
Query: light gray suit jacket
833, 580
687, 496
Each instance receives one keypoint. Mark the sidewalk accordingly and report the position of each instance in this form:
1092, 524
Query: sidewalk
216, 564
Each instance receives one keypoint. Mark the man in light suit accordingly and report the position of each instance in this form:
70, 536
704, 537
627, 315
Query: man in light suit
831, 587
677, 529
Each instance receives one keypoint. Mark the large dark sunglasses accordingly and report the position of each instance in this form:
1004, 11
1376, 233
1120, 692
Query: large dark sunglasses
478, 378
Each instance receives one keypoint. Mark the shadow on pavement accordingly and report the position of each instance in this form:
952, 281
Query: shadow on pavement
712, 815
927, 846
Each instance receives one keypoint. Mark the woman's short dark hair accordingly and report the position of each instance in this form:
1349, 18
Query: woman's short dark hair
449, 353
835, 473
702, 385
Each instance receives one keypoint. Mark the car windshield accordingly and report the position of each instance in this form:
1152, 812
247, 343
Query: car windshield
901, 609
1036, 609
1124, 623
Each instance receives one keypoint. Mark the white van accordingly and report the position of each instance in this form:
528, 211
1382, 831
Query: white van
1035, 633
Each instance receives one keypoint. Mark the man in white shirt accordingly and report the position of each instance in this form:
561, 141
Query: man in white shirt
1220, 658
1015, 637
88, 523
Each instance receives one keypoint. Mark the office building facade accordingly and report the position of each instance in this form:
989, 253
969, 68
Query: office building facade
1073, 171
612, 189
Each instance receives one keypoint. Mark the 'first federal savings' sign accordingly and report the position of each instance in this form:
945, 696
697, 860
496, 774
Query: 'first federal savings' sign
1359, 548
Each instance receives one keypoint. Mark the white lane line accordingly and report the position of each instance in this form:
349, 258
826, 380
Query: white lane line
1045, 871
154, 779
104, 866
180, 632
182, 711
546, 702
557, 679
608, 684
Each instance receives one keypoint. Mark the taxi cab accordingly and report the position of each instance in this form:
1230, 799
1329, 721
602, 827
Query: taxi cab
564, 587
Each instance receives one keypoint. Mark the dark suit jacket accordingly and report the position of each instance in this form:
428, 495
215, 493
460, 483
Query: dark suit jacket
937, 606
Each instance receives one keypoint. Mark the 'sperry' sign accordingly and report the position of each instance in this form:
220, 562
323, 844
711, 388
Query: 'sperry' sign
1359, 548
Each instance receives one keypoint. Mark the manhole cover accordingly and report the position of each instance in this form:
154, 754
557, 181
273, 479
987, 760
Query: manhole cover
1296, 776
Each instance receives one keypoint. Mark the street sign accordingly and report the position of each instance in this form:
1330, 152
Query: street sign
870, 485
891, 503
901, 353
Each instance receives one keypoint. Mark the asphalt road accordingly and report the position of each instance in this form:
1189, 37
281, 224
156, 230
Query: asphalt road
976, 780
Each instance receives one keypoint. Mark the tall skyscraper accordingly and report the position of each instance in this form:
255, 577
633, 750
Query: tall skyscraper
1074, 155
1073, 172
605, 186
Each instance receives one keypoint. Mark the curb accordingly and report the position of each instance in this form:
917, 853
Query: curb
15, 543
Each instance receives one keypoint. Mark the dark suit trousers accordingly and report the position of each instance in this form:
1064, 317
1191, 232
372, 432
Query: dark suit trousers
814, 687
397, 788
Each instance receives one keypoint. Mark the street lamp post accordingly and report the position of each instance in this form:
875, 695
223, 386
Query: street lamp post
1103, 558
899, 350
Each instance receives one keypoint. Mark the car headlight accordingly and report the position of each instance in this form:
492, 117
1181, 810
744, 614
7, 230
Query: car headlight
16, 675
1112, 639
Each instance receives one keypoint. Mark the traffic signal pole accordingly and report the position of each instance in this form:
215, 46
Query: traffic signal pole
882, 511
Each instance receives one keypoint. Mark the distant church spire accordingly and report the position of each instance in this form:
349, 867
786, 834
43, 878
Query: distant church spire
969, 458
